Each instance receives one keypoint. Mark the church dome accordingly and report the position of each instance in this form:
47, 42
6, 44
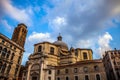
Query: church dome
60, 43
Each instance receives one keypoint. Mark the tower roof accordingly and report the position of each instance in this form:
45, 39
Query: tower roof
22, 24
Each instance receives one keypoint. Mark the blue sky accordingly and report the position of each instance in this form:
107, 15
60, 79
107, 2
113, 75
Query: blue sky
91, 24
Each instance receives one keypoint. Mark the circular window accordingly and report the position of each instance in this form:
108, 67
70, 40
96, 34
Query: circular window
85, 69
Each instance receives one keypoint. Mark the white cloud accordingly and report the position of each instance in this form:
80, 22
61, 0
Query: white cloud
21, 15
59, 21
104, 43
86, 43
83, 19
5, 23
39, 37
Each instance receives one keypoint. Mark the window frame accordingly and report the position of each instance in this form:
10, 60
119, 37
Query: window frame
39, 48
52, 50
85, 56
49, 72
85, 69
66, 71
58, 72
76, 77
87, 77
99, 77
66, 78
96, 68
75, 70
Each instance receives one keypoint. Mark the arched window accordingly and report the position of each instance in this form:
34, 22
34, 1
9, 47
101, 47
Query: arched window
39, 48
97, 77
76, 77
58, 78
19, 59
4, 52
12, 56
16, 70
67, 78
8, 69
0, 49
3, 68
86, 77
0, 65
8, 54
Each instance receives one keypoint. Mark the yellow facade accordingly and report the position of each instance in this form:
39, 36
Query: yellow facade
48, 55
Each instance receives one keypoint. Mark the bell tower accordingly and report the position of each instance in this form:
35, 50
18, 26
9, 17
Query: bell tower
19, 34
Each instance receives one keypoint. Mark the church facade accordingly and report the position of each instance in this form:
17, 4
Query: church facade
11, 53
54, 61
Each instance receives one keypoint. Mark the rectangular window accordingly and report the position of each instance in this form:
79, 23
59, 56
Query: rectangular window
34, 78
86, 77
12, 56
39, 48
76, 77
76, 53
75, 70
49, 72
49, 78
58, 71
66, 71
51, 50
85, 55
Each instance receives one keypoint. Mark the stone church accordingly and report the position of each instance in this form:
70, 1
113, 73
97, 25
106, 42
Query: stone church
55, 61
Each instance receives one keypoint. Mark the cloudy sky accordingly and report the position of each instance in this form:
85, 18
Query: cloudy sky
93, 24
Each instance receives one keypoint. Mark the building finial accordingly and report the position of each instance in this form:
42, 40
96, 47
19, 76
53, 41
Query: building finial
59, 37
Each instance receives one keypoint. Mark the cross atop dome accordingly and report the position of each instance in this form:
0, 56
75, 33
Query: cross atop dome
59, 37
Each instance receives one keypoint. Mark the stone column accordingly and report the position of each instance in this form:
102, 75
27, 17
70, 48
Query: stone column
42, 72
28, 73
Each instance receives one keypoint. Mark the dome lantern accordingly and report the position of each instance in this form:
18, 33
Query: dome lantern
60, 43
59, 37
